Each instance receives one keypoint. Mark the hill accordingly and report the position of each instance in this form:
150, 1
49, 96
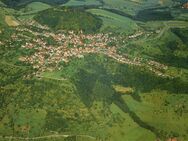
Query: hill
124, 78
2, 4
114, 22
34, 7
69, 19
21, 3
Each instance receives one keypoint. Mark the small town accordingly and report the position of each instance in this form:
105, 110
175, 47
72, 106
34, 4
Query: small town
94, 70
70, 44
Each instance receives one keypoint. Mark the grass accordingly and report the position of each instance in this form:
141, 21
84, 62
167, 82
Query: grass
30, 122
123, 90
55, 75
82, 3
127, 6
182, 16
11, 21
34, 7
7, 17
41, 106
2, 17
114, 21
2, 4
159, 109
126, 129
30, 10
131, 7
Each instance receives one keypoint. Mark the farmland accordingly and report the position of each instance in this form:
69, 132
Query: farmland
115, 22
83, 3
34, 8
93, 70
10, 21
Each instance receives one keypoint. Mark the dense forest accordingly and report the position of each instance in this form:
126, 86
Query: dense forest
69, 19
20, 3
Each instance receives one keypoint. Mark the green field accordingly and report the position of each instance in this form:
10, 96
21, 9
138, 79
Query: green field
50, 91
114, 22
82, 3
126, 129
159, 109
34, 7
2, 4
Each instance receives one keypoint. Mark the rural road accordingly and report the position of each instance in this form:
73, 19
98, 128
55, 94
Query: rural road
46, 137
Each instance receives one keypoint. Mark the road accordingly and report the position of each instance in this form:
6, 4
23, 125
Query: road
46, 137
52, 78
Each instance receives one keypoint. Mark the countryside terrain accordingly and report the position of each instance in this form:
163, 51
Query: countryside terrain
94, 70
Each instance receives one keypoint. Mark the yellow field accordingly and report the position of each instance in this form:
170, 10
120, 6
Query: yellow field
11, 21
123, 90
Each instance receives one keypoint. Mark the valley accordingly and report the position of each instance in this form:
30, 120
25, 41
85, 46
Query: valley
93, 70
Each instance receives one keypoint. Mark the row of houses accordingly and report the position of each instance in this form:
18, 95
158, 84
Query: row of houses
70, 44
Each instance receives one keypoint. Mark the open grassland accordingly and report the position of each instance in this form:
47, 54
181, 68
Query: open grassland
82, 3
34, 7
123, 90
125, 129
114, 22
55, 75
11, 21
2, 4
127, 6
132, 7
7, 17
159, 109
88, 104
182, 16
31, 10
2, 21
92, 97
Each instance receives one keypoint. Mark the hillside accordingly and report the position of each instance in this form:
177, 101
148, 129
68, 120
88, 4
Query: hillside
69, 19
19, 3
93, 70
34, 7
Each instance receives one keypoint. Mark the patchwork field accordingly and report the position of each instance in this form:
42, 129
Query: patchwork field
93, 70
115, 22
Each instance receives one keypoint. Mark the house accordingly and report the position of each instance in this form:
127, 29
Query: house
185, 5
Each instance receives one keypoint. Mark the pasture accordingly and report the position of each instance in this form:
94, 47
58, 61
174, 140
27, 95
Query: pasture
162, 110
114, 22
34, 7
125, 128
82, 3
11, 21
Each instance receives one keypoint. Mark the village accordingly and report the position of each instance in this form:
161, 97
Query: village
70, 44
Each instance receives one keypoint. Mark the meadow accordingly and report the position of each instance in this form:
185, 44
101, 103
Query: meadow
94, 97
82, 3
114, 22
